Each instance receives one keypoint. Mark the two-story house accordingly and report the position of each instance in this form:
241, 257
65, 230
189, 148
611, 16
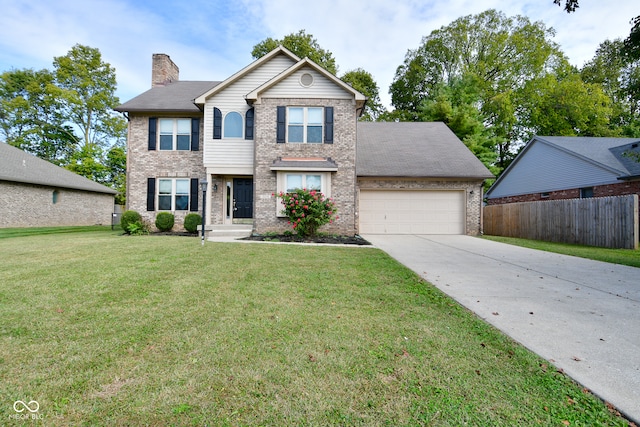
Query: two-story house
283, 123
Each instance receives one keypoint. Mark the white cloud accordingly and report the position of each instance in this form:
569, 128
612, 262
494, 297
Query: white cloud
212, 39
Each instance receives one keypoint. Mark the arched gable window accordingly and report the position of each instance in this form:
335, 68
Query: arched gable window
233, 125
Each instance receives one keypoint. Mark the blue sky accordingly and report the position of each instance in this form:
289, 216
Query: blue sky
212, 39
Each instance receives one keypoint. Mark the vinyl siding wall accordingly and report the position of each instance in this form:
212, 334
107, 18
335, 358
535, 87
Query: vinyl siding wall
235, 156
545, 169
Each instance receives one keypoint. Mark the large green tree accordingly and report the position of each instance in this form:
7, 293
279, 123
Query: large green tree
363, 82
66, 115
301, 44
31, 116
494, 55
619, 75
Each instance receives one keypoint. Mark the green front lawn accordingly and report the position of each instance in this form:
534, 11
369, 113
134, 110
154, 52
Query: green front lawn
104, 329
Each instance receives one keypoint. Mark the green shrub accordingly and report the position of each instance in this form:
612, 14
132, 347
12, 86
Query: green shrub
138, 228
129, 217
165, 221
191, 222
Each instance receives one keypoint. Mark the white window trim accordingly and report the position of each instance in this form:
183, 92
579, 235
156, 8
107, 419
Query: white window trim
281, 180
242, 125
174, 194
305, 124
174, 137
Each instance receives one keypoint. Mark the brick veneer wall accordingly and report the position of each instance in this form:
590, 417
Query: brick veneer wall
342, 151
619, 189
26, 205
143, 163
473, 204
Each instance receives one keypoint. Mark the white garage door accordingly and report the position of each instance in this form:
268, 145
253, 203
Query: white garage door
412, 212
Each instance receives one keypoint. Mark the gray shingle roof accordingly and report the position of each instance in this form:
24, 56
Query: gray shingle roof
175, 97
415, 149
18, 166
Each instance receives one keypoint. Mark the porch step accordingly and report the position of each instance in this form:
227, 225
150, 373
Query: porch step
231, 230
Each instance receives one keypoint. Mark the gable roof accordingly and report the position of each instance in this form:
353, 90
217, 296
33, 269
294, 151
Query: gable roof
306, 62
280, 50
610, 154
18, 166
414, 149
178, 96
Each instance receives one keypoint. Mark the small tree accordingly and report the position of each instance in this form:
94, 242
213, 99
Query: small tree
308, 211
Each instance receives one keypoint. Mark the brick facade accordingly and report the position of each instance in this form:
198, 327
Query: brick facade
618, 189
342, 152
143, 163
472, 189
27, 205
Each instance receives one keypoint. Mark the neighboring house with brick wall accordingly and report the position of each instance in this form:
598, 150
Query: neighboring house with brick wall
282, 123
36, 193
563, 167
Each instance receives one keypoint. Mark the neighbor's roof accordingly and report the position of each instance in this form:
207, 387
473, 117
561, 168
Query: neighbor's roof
415, 149
18, 166
178, 96
611, 153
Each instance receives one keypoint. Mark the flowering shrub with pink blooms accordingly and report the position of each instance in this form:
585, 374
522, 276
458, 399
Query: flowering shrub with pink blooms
308, 211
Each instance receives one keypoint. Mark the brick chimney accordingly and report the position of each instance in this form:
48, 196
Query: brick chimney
163, 70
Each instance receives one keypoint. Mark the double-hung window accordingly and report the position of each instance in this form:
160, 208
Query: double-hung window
175, 134
173, 194
304, 124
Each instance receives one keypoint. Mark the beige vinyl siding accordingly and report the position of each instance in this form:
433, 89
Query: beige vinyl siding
235, 155
322, 87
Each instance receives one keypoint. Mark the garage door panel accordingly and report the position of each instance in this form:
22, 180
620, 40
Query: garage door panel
412, 212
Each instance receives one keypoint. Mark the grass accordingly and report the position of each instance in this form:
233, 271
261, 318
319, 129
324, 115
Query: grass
38, 231
628, 257
103, 329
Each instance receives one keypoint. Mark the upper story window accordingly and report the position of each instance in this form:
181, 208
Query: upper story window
233, 125
175, 134
305, 124
308, 125
173, 194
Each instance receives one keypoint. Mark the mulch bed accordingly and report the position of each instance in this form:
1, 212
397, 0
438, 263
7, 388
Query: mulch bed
336, 240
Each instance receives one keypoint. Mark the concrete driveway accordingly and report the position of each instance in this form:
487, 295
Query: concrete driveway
583, 316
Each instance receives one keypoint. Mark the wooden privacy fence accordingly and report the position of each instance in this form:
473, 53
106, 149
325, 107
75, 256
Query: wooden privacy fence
610, 222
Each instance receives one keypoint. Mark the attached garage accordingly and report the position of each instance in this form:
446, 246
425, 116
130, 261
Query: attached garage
417, 178
412, 212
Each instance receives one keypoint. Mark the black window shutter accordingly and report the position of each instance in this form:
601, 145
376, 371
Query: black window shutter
193, 203
248, 124
328, 125
217, 123
151, 194
282, 124
195, 134
153, 124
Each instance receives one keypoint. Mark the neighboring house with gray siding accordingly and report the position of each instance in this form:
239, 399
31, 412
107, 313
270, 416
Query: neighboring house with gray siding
37, 193
281, 123
551, 168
